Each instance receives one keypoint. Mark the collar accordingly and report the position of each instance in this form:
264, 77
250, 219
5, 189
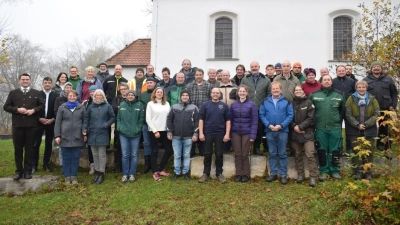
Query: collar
27, 88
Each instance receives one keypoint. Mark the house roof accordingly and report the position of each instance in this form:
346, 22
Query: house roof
136, 53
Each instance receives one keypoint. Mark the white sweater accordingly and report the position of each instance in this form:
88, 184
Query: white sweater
156, 116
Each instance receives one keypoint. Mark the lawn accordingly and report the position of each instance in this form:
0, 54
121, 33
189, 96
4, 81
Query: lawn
171, 202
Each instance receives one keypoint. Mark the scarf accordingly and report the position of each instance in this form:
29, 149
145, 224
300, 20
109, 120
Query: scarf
71, 105
363, 99
90, 81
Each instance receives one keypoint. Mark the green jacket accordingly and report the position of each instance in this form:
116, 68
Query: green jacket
257, 92
329, 108
145, 98
130, 118
75, 81
174, 94
301, 77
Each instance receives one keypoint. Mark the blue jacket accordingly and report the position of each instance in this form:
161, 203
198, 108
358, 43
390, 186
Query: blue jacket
282, 114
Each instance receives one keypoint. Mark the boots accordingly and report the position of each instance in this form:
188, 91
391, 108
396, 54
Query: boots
101, 178
146, 167
96, 177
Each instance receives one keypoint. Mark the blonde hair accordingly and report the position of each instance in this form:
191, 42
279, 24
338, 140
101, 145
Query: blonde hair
153, 96
101, 92
89, 68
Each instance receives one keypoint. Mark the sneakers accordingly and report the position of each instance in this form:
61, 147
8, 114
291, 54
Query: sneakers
156, 176
132, 178
186, 176
323, 177
203, 178
300, 179
284, 180
221, 179
175, 177
67, 180
91, 172
124, 179
164, 173
74, 180
313, 181
336, 176
271, 178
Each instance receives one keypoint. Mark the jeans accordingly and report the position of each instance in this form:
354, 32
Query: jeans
146, 140
179, 146
70, 157
277, 142
219, 156
99, 157
130, 154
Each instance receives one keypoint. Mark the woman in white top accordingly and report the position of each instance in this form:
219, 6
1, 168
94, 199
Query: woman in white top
156, 118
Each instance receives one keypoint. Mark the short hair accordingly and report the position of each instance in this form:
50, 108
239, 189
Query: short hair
349, 65
149, 65
89, 68
24, 75
166, 69
297, 87
72, 67
199, 70
240, 65
123, 84
49, 79
242, 86
188, 61
363, 82
72, 91
340, 66
101, 92
153, 96
60, 74
182, 74
270, 65
276, 82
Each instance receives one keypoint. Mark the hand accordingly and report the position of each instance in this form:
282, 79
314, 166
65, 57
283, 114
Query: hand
297, 129
43, 120
169, 137
226, 138
85, 138
21, 110
251, 140
278, 127
49, 121
157, 134
194, 138
391, 108
361, 127
30, 112
201, 137
57, 140
84, 133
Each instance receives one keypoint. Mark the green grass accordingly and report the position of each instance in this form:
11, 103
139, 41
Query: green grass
166, 202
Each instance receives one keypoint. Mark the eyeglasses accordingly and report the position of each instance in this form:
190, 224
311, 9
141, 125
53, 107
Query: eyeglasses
296, 67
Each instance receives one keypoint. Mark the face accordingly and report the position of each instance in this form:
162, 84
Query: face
159, 93
270, 71
165, 75
286, 67
150, 84
242, 93
296, 69
25, 81
63, 79
92, 94
219, 76
255, 68
376, 69
89, 74
215, 94
118, 70
98, 96
68, 88
130, 97
139, 74
103, 67
349, 70
198, 76
340, 71
311, 77
123, 90
361, 89
212, 74
47, 85
240, 72
73, 72
278, 70
275, 90
324, 71
150, 70
225, 76
71, 96
180, 78
185, 97
298, 91
186, 65
326, 81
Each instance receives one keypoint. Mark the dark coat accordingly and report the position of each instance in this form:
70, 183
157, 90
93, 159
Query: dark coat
344, 85
304, 117
69, 126
58, 102
110, 84
384, 90
50, 108
183, 121
244, 118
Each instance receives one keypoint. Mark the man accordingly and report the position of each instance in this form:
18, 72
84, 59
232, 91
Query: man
103, 73
219, 74
25, 104
329, 113
212, 77
45, 125
296, 69
138, 83
288, 81
111, 84
187, 70
227, 88
270, 72
166, 79
323, 71
384, 89
259, 89
174, 91
150, 73
276, 113
74, 76
278, 69
145, 98
237, 79
349, 73
199, 93
214, 129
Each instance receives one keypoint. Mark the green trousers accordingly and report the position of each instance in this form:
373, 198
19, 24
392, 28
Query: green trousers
329, 143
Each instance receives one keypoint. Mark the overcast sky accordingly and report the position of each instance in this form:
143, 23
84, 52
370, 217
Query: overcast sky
52, 23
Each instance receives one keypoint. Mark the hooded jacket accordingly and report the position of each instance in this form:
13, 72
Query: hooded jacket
310, 87
130, 118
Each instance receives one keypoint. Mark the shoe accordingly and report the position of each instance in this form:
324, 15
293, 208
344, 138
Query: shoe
323, 177
156, 176
358, 176
146, 167
164, 173
175, 177
300, 179
101, 178
257, 151
132, 178
336, 176
187, 176
271, 178
96, 177
221, 179
47, 168
368, 176
124, 179
27, 175
34, 169
313, 181
238, 178
284, 180
203, 178
17, 176
245, 178
92, 170
67, 180
74, 180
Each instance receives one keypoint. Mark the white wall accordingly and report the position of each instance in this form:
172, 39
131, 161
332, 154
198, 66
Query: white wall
268, 32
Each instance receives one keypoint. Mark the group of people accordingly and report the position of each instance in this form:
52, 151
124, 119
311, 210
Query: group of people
186, 112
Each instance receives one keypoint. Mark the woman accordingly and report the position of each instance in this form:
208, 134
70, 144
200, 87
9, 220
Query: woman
302, 135
156, 118
362, 109
311, 83
68, 135
83, 86
87, 103
244, 123
99, 117
130, 120
62, 79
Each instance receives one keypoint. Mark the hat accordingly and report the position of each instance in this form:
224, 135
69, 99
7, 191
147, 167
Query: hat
185, 91
278, 65
151, 79
103, 63
296, 64
68, 84
140, 69
310, 70
131, 92
377, 63
92, 88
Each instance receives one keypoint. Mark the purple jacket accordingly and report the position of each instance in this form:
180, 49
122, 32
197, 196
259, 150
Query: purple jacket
244, 118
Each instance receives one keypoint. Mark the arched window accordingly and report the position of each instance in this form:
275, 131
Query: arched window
342, 37
223, 38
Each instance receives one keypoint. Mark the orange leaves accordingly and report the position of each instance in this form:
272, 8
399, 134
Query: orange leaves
76, 214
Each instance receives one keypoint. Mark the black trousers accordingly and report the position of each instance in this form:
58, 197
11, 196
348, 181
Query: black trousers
23, 139
48, 130
168, 151
209, 143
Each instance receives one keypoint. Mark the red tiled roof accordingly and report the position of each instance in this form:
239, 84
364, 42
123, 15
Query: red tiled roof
136, 53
